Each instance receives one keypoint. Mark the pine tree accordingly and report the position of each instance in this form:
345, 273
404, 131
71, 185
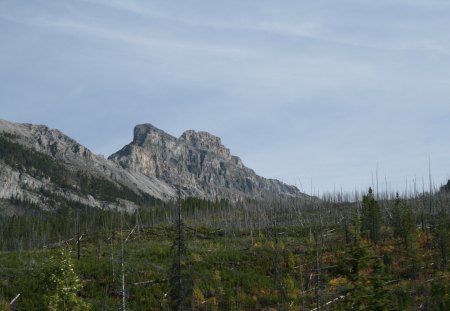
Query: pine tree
404, 223
364, 271
442, 235
357, 263
380, 298
371, 217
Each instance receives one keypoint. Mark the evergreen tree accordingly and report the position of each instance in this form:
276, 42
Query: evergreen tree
364, 271
371, 217
440, 290
404, 226
442, 236
357, 263
404, 223
380, 297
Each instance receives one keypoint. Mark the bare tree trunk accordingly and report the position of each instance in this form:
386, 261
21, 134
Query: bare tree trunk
123, 266
14, 300
302, 289
318, 271
431, 186
78, 237
112, 261
180, 290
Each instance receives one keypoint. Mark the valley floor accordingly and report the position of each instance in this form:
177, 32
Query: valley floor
277, 268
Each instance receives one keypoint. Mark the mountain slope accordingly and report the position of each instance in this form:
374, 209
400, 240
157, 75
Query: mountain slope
47, 169
199, 163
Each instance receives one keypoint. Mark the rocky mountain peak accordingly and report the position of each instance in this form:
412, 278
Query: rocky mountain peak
147, 135
44, 139
205, 141
199, 160
155, 163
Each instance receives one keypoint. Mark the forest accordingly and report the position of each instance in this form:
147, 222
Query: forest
369, 250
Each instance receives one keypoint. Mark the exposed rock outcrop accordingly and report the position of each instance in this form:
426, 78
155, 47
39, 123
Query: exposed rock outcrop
75, 159
199, 163
153, 165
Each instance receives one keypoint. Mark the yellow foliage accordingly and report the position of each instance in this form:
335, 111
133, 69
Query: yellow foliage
216, 276
291, 261
257, 245
328, 258
387, 248
263, 291
199, 298
213, 303
339, 281
281, 245
291, 290
220, 290
365, 242
4, 306
196, 257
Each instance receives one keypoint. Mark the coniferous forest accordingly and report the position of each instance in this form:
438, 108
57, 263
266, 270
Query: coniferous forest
367, 252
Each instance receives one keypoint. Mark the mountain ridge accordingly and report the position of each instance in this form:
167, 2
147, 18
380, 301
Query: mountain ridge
200, 162
153, 165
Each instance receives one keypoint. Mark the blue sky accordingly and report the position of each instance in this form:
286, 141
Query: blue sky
325, 91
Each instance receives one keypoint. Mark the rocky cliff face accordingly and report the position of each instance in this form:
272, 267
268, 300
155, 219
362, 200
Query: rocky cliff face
50, 168
29, 183
199, 163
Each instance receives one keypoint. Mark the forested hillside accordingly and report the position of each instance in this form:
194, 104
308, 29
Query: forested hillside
374, 252
53, 184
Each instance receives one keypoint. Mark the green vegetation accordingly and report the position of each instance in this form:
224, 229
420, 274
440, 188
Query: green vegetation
63, 284
387, 253
279, 266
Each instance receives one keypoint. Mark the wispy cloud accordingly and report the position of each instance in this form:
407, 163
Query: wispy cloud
325, 89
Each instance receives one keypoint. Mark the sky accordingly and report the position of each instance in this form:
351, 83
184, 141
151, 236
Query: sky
324, 94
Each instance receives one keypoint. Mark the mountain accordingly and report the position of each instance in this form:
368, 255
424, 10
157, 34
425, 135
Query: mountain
45, 169
199, 163
446, 187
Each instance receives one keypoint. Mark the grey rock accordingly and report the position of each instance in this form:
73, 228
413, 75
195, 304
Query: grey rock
199, 163
154, 163
63, 148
